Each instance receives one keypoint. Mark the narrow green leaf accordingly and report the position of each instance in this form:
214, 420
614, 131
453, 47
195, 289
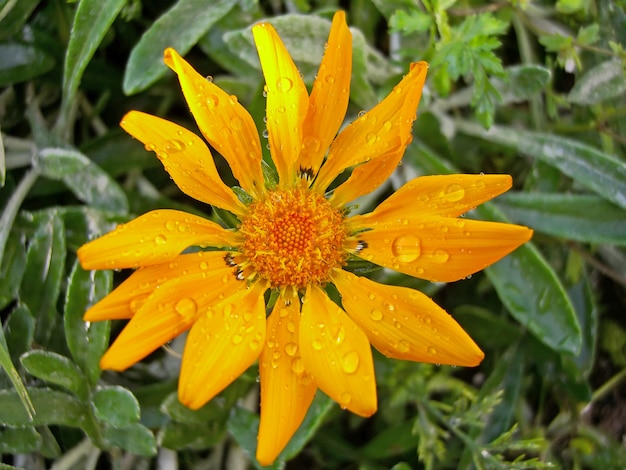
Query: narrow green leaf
600, 83
86, 341
57, 163
92, 20
55, 369
12, 269
588, 166
45, 264
584, 218
116, 406
180, 27
13, 15
51, 407
135, 438
95, 187
3, 165
14, 376
22, 62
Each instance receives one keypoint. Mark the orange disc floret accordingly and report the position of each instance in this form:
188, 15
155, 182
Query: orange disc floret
293, 237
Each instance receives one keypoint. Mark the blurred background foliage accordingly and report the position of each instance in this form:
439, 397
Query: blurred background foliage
535, 89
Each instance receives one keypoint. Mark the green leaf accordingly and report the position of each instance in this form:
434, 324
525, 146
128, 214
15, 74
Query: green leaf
57, 163
19, 440
92, 21
601, 83
12, 269
585, 218
414, 21
180, 27
523, 82
3, 165
116, 406
45, 264
22, 62
51, 406
532, 292
55, 369
135, 438
95, 187
87, 341
13, 15
588, 166
392, 441
14, 376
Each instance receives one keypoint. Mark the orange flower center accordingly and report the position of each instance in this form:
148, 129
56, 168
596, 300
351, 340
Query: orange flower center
293, 237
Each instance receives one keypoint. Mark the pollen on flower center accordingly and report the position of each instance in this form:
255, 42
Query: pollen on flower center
293, 237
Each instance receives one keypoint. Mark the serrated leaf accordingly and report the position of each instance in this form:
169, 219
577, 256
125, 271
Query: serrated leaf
135, 438
588, 166
86, 341
22, 62
95, 187
600, 83
180, 27
116, 406
57, 163
585, 218
55, 369
45, 263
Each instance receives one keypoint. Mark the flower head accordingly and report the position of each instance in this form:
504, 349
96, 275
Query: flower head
294, 237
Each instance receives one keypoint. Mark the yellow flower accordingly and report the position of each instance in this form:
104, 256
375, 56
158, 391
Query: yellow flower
294, 238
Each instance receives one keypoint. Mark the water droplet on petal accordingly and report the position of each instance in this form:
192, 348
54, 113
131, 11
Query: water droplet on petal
345, 399
291, 349
297, 366
175, 146
186, 307
311, 143
340, 334
432, 351
237, 339
330, 79
454, 192
236, 123
406, 248
284, 84
350, 362
160, 240
441, 256
317, 344
402, 346
376, 315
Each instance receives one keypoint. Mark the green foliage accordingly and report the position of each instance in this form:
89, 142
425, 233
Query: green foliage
531, 89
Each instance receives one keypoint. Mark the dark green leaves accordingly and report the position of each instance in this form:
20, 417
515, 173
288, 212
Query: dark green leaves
21, 62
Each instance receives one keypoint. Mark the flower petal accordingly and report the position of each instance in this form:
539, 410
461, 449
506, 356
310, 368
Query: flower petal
287, 101
170, 310
442, 249
329, 97
337, 354
287, 390
225, 124
156, 237
185, 157
443, 195
404, 323
223, 343
367, 177
131, 294
375, 132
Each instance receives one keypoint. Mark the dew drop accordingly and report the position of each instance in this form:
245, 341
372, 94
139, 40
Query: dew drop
371, 138
330, 79
317, 344
362, 113
376, 315
406, 248
297, 366
291, 327
265, 133
340, 334
432, 351
311, 143
236, 123
441, 256
160, 240
454, 192
284, 84
175, 146
204, 265
150, 147
344, 400
291, 349
350, 362
402, 346
236, 339
186, 307
170, 225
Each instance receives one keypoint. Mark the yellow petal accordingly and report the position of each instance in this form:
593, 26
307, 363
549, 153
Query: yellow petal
404, 323
337, 354
185, 157
375, 132
287, 390
156, 237
131, 294
287, 101
223, 343
441, 249
225, 124
169, 311
329, 97
367, 177
444, 195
